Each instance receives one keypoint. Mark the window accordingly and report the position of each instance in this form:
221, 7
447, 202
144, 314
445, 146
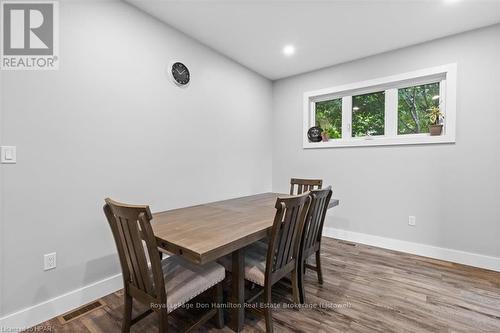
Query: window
413, 107
368, 114
387, 111
329, 117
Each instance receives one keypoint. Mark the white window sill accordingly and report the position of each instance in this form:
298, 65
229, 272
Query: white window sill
381, 141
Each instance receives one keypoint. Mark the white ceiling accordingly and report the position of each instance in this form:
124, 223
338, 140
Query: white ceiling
324, 32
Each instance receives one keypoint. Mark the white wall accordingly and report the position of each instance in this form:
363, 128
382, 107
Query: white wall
452, 189
110, 123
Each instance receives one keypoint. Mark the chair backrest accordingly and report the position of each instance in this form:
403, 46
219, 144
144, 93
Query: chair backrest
284, 241
313, 225
304, 185
137, 249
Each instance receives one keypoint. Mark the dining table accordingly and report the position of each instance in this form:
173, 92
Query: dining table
206, 232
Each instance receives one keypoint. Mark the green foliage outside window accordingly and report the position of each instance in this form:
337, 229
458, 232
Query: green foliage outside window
414, 104
368, 114
329, 117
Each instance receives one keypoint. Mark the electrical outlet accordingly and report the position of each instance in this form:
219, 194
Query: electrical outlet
412, 220
49, 261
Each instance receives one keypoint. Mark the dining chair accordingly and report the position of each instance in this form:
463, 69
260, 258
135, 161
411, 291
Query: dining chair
304, 185
162, 285
311, 235
267, 264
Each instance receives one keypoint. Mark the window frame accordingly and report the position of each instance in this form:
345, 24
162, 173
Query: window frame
446, 75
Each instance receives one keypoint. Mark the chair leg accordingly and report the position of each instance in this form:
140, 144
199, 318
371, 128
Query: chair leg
295, 287
318, 267
268, 315
218, 299
163, 317
300, 278
127, 313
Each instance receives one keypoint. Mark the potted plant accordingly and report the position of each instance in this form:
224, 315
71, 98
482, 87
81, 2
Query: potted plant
435, 115
324, 136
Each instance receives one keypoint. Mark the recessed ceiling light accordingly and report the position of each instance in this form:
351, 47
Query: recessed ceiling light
289, 50
356, 108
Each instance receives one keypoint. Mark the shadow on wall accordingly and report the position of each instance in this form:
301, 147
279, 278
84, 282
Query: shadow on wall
109, 265
93, 269
333, 220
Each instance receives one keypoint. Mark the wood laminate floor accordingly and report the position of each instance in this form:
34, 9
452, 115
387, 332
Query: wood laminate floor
366, 289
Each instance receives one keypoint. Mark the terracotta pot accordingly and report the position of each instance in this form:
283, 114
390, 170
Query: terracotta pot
324, 137
436, 129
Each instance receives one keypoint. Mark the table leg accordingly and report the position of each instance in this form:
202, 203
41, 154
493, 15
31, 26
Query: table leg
238, 290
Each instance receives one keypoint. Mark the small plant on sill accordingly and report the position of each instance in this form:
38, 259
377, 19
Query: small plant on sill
324, 136
435, 116
330, 132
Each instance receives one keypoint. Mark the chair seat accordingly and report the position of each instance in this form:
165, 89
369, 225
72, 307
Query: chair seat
185, 280
255, 262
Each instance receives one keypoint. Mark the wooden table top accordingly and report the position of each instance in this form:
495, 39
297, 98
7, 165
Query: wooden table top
206, 232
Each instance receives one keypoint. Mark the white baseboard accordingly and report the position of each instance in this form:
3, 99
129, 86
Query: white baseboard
456, 256
56, 306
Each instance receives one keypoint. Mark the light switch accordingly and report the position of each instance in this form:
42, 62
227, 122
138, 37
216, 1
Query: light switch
8, 154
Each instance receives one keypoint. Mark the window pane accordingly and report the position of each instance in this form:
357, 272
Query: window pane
413, 105
368, 114
329, 117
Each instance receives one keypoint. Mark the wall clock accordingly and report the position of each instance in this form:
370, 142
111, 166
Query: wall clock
179, 74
